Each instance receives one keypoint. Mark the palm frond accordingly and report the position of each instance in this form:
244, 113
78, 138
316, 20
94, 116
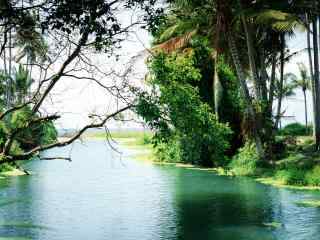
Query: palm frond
278, 20
175, 43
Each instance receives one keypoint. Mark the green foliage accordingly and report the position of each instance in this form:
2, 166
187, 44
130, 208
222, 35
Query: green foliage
169, 151
295, 129
230, 105
146, 139
245, 163
49, 133
178, 109
22, 83
312, 177
28, 135
291, 176
6, 167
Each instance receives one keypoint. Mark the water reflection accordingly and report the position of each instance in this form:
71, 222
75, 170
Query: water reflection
217, 207
16, 212
99, 197
211, 207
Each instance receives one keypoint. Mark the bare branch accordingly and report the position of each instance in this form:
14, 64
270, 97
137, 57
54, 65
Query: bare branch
56, 158
38, 149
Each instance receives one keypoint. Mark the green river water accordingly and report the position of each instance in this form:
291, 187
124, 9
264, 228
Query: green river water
102, 196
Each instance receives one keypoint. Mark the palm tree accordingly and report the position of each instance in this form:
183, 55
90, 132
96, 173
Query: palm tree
30, 42
284, 87
252, 36
304, 83
22, 84
316, 83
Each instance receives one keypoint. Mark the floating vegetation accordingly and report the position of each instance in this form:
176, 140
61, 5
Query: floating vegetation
309, 203
15, 238
24, 225
273, 224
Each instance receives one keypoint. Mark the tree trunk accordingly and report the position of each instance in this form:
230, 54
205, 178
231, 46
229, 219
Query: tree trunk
246, 95
263, 81
311, 74
10, 71
216, 86
316, 83
278, 116
217, 91
252, 58
5, 69
272, 83
305, 109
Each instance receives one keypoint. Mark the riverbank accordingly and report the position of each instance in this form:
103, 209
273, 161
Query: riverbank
288, 172
10, 171
283, 176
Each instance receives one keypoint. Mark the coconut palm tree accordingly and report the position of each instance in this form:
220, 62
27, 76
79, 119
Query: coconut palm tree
30, 42
284, 87
304, 83
252, 36
22, 84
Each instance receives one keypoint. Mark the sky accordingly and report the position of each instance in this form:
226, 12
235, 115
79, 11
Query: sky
294, 105
77, 98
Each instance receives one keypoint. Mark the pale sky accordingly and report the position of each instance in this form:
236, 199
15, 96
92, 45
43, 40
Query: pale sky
77, 98
74, 99
294, 106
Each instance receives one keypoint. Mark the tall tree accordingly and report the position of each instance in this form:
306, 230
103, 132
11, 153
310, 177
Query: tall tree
73, 29
316, 82
304, 83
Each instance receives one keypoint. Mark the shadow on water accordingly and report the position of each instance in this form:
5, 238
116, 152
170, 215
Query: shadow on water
16, 210
216, 207
99, 197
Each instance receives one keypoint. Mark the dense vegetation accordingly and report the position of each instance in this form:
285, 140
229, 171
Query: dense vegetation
37, 133
217, 78
43, 42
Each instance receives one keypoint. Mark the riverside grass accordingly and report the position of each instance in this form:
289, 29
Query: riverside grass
283, 178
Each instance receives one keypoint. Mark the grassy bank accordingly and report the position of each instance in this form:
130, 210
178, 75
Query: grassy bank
297, 170
139, 141
9, 171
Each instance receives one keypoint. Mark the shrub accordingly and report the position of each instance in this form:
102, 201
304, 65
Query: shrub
33, 135
169, 152
146, 139
245, 163
293, 176
296, 160
313, 177
178, 109
5, 167
295, 129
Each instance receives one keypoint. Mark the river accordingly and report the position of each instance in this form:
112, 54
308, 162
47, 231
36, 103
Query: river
101, 196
